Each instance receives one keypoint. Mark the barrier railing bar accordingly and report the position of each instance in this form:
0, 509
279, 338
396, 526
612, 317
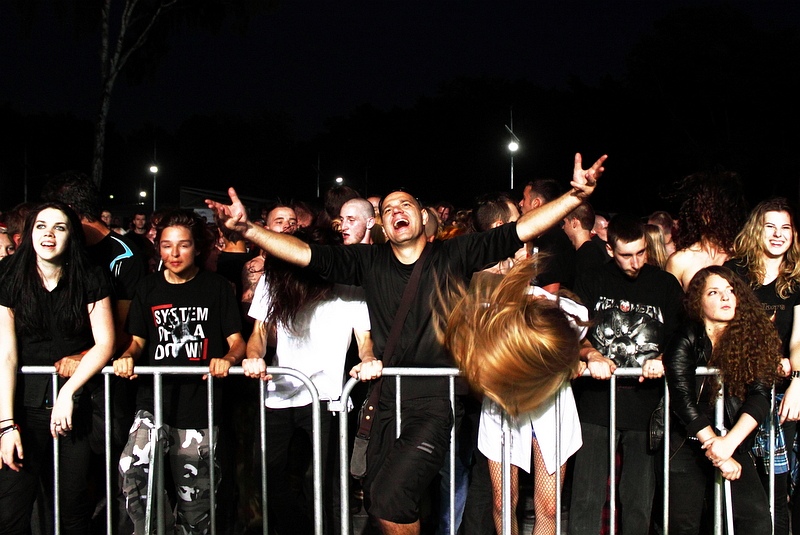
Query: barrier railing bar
56, 465
212, 472
156, 469
505, 478
452, 482
262, 423
612, 454
558, 461
107, 449
772, 432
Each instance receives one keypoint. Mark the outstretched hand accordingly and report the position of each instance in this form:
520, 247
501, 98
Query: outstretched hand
584, 180
234, 215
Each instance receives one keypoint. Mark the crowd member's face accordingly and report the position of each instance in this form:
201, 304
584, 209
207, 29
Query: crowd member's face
7, 247
778, 234
282, 219
354, 225
139, 222
630, 257
50, 234
444, 214
177, 250
105, 217
601, 227
529, 200
403, 220
718, 301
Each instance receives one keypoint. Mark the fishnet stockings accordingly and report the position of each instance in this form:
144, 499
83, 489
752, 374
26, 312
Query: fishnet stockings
544, 494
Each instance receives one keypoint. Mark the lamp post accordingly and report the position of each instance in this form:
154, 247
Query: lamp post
513, 145
339, 180
154, 170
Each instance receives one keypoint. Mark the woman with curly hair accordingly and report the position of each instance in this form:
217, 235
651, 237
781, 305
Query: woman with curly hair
728, 330
710, 215
766, 254
519, 346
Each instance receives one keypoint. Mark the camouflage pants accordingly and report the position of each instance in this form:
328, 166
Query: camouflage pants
190, 455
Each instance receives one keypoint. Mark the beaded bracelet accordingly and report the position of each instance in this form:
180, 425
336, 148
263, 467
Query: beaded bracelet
9, 429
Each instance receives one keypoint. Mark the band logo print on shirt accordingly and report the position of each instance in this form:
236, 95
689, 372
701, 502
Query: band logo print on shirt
180, 332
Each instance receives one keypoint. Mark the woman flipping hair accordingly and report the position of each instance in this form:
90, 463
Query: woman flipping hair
766, 254
730, 331
53, 304
519, 345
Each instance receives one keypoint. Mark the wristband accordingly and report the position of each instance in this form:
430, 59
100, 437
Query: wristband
795, 374
10, 429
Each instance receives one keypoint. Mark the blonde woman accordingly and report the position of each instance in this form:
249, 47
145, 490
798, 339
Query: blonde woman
766, 254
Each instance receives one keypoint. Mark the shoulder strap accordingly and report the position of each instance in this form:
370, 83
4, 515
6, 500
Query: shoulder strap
405, 305
370, 407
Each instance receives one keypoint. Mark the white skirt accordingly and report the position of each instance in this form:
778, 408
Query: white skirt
542, 421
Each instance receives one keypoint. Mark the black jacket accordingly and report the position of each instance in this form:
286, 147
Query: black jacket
688, 349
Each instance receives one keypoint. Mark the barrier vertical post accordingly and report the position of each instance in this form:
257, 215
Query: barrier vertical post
262, 420
612, 455
212, 471
107, 449
56, 466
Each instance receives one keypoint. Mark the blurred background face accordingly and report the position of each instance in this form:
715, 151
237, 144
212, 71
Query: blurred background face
7, 247
105, 216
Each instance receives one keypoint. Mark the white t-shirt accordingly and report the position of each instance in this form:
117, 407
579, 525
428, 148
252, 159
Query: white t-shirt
319, 347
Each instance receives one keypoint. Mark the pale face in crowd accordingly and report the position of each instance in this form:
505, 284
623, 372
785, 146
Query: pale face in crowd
177, 249
629, 257
600, 227
403, 220
354, 225
105, 217
718, 302
778, 234
282, 219
7, 247
444, 214
50, 234
139, 223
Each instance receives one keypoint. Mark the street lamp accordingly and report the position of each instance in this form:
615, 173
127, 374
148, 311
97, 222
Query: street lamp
142, 195
339, 180
154, 170
513, 146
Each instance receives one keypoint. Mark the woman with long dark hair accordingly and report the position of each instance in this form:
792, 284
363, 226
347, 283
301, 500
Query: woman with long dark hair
311, 323
728, 330
53, 304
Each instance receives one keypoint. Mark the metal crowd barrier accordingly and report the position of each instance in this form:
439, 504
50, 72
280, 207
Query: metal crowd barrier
340, 406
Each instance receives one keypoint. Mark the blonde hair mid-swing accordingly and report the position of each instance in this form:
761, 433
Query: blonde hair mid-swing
515, 348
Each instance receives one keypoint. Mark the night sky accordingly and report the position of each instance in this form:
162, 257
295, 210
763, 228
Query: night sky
316, 60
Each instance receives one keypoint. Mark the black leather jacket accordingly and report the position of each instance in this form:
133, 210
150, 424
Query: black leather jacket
688, 349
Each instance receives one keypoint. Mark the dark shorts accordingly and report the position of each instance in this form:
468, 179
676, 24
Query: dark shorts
401, 469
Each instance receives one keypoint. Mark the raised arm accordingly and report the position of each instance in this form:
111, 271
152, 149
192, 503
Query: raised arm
283, 246
537, 221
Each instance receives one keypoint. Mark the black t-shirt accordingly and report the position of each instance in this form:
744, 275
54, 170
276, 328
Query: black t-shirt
633, 320
185, 325
384, 277
122, 260
230, 265
559, 265
46, 347
589, 257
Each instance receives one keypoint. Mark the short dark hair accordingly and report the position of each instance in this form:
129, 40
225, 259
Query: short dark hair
584, 213
546, 188
76, 190
625, 228
489, 209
